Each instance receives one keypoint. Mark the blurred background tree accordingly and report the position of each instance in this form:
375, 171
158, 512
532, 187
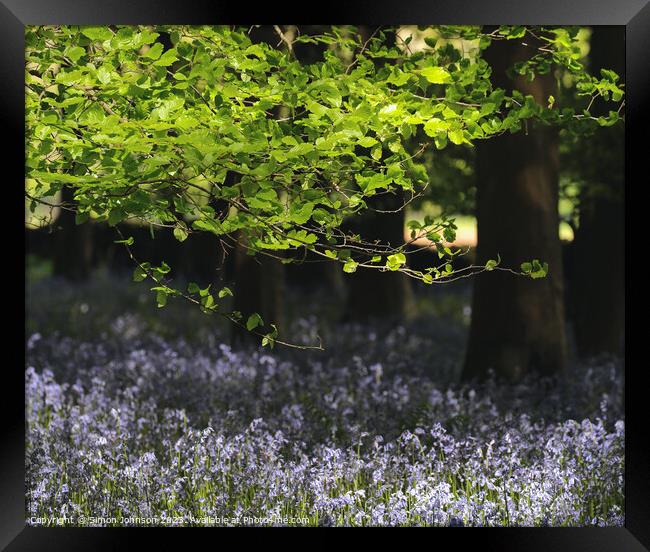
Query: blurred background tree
594, 170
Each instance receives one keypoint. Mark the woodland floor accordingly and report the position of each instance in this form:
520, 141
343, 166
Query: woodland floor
143, 416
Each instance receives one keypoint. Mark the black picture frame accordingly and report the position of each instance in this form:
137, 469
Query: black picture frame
15, 14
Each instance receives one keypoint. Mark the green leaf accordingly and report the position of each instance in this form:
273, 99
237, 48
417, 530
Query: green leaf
154, 52
430, 41
140, 273
456, 136
104, 75
269, 338
436, 75
516, 31
75, 53
254, 320
492, 264
367, 141
440, 140
539, 270
435, 126
193, 287
129, 241
208, 225
180, 233
395, 261
163, 268
449, 234
207, 301
300, 238
97, 33
116, 215
161, 298
316, 108
223, 292
399, 78
301, 149
350, 266
301, 213
535, 269
205, 292
169, 57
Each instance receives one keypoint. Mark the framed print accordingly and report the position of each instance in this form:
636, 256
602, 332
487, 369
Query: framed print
371, 270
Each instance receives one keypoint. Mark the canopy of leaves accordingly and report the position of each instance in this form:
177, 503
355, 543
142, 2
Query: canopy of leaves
207, 131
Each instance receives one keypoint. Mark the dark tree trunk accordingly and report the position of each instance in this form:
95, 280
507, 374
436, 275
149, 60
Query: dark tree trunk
597, 298
517, 323
73, 245
373, 294
259, 287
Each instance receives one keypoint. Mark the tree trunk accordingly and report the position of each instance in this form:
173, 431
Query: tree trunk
373, 294
597, 298
517, 323
259, 287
